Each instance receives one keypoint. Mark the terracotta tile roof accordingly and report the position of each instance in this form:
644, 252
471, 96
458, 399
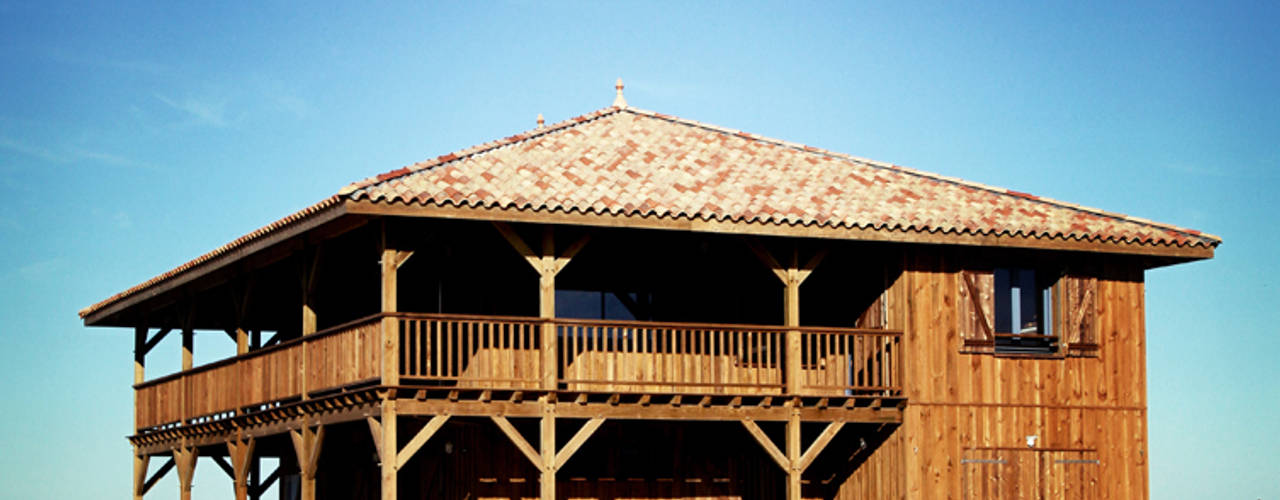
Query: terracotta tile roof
625, 161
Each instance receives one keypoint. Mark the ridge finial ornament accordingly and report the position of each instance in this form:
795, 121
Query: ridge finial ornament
618, 100
541, 122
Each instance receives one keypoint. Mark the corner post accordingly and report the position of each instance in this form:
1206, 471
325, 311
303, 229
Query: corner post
390, 262
140, 463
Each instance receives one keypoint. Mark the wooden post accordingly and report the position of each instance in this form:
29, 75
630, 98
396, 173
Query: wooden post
793, 455
184, 459
388, 448
310, 266
791, 306
188, 348
241, 453
390, 263
792, 276
547, 264
140, 463
306, 446
547, 310
548, 449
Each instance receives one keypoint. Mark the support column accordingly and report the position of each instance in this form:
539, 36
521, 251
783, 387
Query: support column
547, 264
310, 265
184, 459
548, 450
547, 310
388, 448
188, 348
792, 276
241, 453
306, 445
140, 463
793, 455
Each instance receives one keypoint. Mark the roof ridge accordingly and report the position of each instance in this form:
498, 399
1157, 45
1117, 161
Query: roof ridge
919, 173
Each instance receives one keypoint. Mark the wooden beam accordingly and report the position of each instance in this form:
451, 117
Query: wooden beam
569, 253
266, 483
577, 441
375, 430
224, 465
767, 259
819, 444
156, 477
420, 439
155, 339
517, 439
767, 444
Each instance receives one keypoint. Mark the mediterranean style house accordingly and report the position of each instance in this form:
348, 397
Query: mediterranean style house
633, 305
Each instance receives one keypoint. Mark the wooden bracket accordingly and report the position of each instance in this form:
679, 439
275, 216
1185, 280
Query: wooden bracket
546, 262
819, 444
577, 441
306, 445
766, 443
420, 439
155, 477
521, 443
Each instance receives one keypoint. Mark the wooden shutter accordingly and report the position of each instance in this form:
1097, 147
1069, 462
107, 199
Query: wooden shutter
976, 304
1080, 315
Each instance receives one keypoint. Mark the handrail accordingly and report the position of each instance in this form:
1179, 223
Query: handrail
263, 351
515, 319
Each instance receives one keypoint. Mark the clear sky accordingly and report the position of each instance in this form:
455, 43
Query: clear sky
134, 137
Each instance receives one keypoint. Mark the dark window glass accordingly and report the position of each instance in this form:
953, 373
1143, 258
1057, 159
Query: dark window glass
1021, 318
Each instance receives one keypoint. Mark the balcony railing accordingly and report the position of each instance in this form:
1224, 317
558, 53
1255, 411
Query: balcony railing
491, 352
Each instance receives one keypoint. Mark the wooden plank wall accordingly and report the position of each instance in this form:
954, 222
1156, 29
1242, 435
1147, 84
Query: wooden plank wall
960, 401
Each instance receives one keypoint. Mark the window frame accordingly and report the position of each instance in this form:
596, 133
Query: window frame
1069, 301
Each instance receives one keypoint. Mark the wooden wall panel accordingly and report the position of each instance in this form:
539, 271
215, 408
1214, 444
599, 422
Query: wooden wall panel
938, 372
960, 402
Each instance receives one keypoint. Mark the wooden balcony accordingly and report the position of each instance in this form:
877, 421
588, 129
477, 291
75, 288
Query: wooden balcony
506, 353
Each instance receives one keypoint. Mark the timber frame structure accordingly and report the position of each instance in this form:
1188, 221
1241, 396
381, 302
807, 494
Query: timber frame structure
435, 333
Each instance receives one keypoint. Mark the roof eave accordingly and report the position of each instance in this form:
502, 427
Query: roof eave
1185, 252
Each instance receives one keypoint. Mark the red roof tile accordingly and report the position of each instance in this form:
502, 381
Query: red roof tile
624, 161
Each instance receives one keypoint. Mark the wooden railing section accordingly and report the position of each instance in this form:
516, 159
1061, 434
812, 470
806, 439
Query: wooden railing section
670, 357
493, 352
337, 357
471, 351
850, 361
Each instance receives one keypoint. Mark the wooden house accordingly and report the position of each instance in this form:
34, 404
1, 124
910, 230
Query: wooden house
633, 305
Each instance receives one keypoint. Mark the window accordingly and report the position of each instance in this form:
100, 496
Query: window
1023, 312
1028, 311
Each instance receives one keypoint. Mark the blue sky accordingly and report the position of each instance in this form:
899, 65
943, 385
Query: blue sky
134, 137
